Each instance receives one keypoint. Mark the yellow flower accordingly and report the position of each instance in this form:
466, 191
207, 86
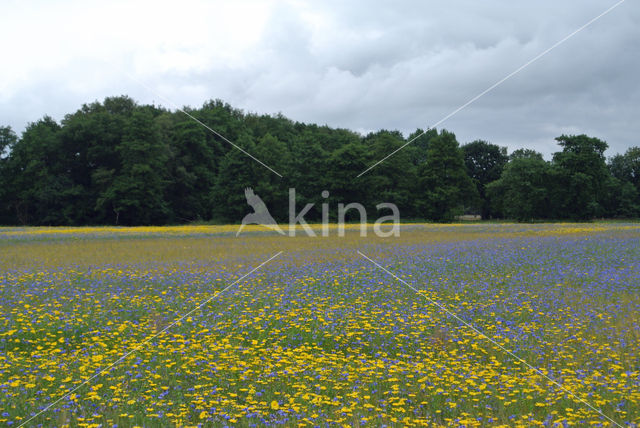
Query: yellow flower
275, 405
204, 414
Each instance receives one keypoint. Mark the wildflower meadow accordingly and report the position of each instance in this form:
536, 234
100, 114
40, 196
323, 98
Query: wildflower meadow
446, 325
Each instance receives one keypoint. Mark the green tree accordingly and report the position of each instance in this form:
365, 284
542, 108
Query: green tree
136, 190
620, 199
445, 188
42, 191
8, 139
394, 180
346, 163
626, 167
580, 175
192, 168
417, 149
484, 163
525, 153
119, 162
236, 173
522, 191
310, 167
272, 189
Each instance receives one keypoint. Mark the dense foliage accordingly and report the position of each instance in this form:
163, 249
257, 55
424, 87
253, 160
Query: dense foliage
118, 162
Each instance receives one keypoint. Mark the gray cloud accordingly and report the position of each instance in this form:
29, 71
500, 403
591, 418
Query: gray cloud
359, 65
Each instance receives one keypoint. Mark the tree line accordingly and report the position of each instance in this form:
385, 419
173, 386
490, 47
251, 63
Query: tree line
119, 162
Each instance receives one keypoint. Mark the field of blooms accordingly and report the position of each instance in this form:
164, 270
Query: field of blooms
319, 335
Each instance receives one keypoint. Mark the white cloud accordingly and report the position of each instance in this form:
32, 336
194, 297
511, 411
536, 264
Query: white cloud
361, 65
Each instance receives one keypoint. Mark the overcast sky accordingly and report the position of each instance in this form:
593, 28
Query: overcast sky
361, 65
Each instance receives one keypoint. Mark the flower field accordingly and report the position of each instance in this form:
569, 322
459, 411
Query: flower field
319, 335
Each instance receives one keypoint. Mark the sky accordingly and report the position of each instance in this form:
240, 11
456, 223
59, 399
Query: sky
362, 65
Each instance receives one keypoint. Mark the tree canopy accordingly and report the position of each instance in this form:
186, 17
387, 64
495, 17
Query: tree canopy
119, 162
